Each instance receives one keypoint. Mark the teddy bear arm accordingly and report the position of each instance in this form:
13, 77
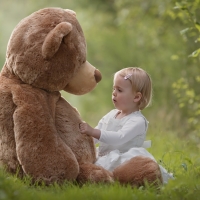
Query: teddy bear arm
40, 151
8, 157
67, 122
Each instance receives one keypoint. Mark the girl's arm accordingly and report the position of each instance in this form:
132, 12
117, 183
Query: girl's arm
132, 128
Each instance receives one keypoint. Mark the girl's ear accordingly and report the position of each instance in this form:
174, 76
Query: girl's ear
137, 97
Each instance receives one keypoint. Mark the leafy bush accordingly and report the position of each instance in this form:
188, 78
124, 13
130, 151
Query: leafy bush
186, 89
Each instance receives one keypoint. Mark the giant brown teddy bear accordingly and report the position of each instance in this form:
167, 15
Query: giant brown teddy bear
39, 130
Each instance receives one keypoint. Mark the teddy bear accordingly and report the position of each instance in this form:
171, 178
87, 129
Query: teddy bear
39, 129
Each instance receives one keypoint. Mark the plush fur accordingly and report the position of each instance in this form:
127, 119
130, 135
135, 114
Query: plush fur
137, 171
39, 130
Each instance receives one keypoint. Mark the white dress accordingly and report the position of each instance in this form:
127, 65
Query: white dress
123, 139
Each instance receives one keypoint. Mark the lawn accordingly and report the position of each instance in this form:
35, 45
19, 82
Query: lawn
178, 155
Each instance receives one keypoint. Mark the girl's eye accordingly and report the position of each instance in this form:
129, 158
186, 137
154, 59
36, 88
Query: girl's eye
116, 89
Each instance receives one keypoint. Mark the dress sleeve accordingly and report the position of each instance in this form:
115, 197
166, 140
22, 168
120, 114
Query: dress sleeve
99, 126
132, 128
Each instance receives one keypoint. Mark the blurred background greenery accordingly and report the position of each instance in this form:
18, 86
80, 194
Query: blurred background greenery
155, 35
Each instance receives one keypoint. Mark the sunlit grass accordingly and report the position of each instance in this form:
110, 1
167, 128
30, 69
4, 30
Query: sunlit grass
179, 156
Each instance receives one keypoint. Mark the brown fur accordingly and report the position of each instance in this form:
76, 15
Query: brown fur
94, 174
138, 170
39, 130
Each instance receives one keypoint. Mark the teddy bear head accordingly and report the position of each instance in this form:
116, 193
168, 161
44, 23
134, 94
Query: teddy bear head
47, 50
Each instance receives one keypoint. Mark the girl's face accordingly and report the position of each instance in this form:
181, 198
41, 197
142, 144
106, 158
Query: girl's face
123, 96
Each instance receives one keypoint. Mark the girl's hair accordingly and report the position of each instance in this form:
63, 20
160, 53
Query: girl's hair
141, 82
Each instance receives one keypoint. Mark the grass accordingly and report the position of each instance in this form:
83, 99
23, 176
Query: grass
178, 155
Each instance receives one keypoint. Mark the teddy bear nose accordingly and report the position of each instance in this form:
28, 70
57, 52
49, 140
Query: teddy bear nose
97, 75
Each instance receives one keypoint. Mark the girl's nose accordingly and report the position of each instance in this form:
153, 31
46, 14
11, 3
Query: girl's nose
114, 93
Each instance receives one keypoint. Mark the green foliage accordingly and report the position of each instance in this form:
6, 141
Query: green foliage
186, 89
189, 102
119, 34
189, 14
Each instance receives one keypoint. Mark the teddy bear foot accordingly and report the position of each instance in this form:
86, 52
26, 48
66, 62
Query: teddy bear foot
94, 174
137, 171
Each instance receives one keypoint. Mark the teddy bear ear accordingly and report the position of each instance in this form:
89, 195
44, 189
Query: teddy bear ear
54, 38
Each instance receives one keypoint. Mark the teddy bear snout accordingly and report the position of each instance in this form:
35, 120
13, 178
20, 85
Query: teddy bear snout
97, 75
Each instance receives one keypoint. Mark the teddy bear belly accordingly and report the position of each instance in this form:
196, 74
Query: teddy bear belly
81, 145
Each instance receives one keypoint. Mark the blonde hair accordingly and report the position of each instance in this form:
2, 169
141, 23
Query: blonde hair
141, 82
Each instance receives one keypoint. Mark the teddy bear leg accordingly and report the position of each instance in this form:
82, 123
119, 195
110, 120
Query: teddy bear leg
137, 171
94, 174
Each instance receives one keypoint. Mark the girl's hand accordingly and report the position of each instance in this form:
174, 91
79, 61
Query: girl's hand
87, 129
